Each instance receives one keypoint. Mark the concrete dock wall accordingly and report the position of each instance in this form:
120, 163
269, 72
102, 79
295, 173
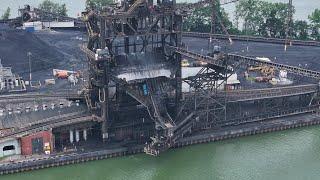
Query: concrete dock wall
53, 161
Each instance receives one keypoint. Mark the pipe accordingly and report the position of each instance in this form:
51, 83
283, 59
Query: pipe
77, 136
71, 136
85, 136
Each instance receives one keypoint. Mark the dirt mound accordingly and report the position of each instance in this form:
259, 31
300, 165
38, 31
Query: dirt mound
15, 45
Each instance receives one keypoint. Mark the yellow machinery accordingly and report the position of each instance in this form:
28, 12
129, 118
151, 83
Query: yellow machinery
264, 70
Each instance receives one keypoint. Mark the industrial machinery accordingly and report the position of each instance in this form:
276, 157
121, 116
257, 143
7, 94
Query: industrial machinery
264, 70
134, 54
136, 36
134, 91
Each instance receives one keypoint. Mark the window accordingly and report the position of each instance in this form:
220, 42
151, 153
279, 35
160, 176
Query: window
8, 148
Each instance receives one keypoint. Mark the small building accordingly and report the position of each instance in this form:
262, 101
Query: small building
232, 82
8, 80
32, 26
38, 143
59, 24
9, 147
38, 25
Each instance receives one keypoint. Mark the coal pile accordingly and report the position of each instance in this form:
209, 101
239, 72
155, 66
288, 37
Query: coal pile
15, 45
302, 56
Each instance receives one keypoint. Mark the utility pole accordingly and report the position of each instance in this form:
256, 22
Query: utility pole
30, 75
288, 28
213, 24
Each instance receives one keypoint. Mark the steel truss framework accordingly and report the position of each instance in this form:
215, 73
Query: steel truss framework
139, 28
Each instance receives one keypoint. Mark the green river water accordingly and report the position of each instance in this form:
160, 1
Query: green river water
292, 155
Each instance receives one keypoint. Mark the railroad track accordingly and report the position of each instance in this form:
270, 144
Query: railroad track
56, 121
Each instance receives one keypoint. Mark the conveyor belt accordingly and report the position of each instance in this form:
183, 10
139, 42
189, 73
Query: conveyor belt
134, 6
248, 60
88, 52
193, 55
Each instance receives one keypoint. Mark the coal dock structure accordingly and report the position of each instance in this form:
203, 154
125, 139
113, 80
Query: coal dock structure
147, 87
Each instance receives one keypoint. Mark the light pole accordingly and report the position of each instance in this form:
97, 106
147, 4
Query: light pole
30, 75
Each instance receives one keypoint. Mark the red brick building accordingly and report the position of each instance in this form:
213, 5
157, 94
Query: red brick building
37, 143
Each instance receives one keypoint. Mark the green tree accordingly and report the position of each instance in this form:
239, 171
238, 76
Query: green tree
301, 30
250, 13
275, 18
315, 17
62, 10
263, 18
315, 24
200, 20
56, 8
6, 14
97, 4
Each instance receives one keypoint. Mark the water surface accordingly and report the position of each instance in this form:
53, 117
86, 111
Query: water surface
292, 155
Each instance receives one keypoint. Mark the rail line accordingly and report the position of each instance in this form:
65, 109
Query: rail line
56, 121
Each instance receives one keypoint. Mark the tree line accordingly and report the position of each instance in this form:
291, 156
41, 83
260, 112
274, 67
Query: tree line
47, 6
252, 17
60, 9
257, 18
6, 14
52, 7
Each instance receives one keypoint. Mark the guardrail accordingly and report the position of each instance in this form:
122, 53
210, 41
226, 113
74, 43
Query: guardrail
254, 94
271, 115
